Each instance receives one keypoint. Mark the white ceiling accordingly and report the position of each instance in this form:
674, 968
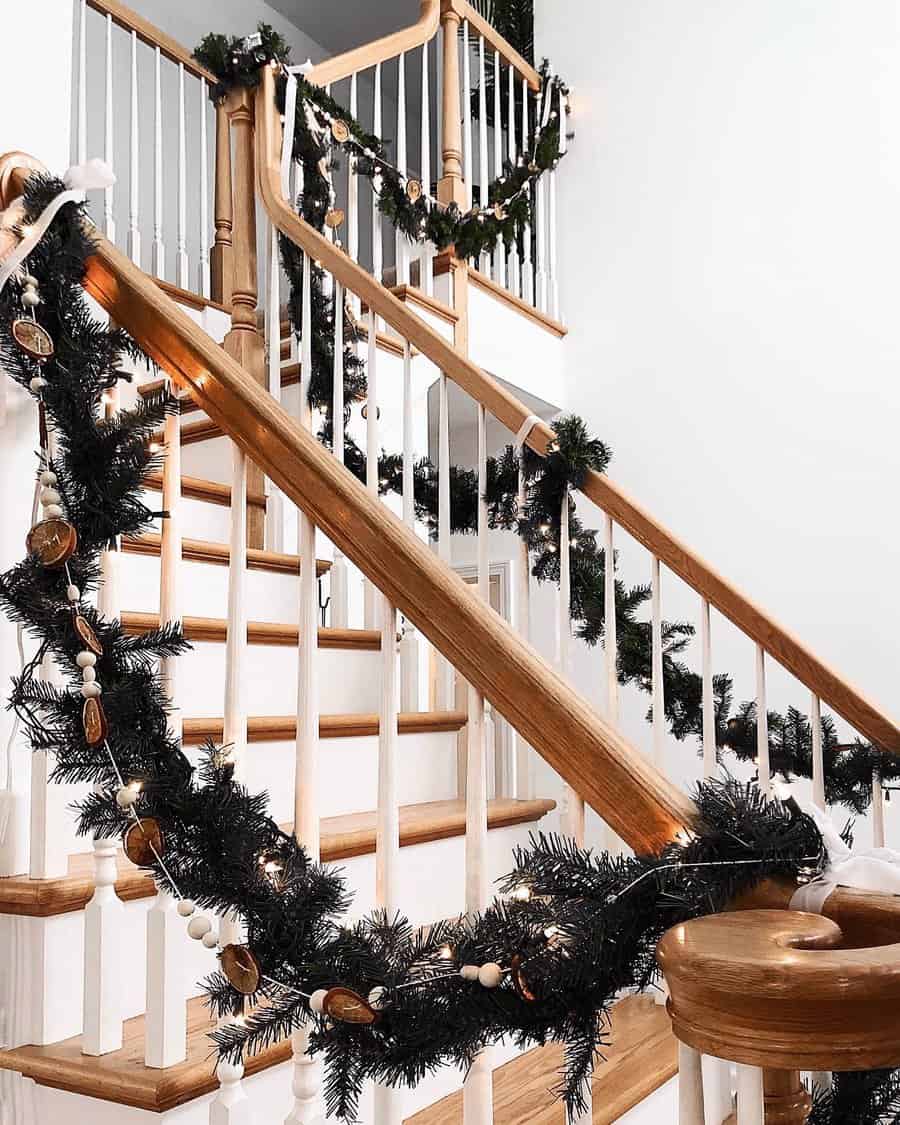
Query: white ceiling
342, 24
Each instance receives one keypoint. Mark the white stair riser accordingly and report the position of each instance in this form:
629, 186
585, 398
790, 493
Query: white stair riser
200, 519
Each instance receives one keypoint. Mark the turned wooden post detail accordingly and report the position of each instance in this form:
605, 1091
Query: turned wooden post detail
787, 1102
451, 186
244, 342
222, 253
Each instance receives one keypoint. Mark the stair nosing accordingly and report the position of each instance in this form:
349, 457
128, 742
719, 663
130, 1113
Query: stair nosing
213, 630
219, 554
199, 488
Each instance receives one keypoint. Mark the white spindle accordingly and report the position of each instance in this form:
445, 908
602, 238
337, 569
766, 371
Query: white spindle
409, 668
103, 915
751, 1104
165, 1038
445, 676
402, 245
109, 222
519, 761
82, 82
305, 1080
468, 154
426, 276
372, 596
610, 642
483, 173
762, 724
690, 1086
204, 279
352, 187
877, 810
235, 723
159, 250
500, 248
659, 707
527, 268
47, 858
483, 532
181, 257
377, 231
553, 234
541, 287
338, 574
134, 232
818, 757
514, 279
717, 1089
409, 506
710, 760
573, 804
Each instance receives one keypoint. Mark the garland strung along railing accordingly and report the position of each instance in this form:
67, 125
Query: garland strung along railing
322, 129
386, 1002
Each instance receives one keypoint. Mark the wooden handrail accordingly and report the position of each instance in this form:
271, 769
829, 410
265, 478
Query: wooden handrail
148, 33
790, 652
379, 50
509, 54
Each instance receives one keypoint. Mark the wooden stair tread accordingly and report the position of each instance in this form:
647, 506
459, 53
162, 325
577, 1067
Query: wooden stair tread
214, 630
197, 488
219, 554
342, 837
283, 728
643, 1056
204, 429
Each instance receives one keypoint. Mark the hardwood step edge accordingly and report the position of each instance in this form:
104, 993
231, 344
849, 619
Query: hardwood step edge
219, 554
343, 837
213, 630
283, 728
210, 491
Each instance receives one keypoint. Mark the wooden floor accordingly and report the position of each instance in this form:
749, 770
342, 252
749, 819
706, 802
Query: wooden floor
643, 1056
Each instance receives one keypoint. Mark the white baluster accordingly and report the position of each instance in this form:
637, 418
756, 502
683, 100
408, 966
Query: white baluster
483, 173
109, 222
409, 506
165, 1038
305, 1080
527, 268
877, 810
520, 773
541, 288
103, 914
204, 278
554, 239
468, 154
47, 858
402, 245
573, 803
762, 724
159, 250
751, 1104
274, 525
181, 257
82, 83
500, 247
717, 1097
230, 1105
426, 273
371, 595
818, 757
377, 231
445, 675
610, 643
352, 187
710, 758
134, 232
513, 280
659, 706
409, 668
338, 574
690, 1086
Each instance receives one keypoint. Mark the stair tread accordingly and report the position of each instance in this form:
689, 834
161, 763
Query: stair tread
642, 1056
198, 488
214, 629
219, 554
342, 837
280, 728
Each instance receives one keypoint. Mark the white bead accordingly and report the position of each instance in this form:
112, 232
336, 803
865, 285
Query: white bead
211, 940
317, 1000
199, 926
126, 797
30, 281
376, 997
186, 907
48, 478
89, 675
469, 972
30, 299
90, 691
490, 975
37, 383
86, 659
49, 496
53, 512
73, 593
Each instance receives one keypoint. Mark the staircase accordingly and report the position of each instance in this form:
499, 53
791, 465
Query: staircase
419, 735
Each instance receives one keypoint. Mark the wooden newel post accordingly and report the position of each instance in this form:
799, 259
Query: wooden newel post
221, 256
451, 186
244, 342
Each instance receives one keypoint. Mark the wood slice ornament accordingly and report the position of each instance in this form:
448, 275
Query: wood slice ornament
241, 968
144, 841
54, 541
499, 212
93, 718
334, 217
413, 190
34, 340
345, 1005
88, 636
340, 130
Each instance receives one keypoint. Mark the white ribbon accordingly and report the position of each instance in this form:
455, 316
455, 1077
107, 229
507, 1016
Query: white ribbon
877, 869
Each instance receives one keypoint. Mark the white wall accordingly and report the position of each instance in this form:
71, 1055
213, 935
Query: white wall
729, 241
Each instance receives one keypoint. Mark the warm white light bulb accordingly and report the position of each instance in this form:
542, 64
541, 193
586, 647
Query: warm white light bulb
522, 893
